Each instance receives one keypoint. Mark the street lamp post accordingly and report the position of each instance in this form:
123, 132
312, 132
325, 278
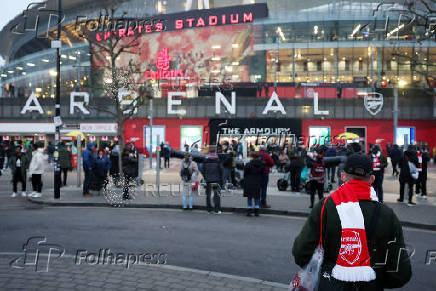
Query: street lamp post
57, 169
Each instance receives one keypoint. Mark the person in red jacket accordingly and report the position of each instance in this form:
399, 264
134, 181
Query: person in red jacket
317, 174
268, 164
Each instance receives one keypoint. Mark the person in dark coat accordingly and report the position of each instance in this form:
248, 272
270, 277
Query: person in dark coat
19, 164
395, 154
2, 157
101, 168
88, 165
331, 170
65, 161
296, 166
253, 172
130, 170
385, 241
212, 170
114, 171
423, 158
405, 176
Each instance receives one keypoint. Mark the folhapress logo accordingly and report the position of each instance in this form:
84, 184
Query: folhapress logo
34, 16
37, 253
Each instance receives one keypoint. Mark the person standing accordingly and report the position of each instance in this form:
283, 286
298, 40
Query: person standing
379, 163
65, 161
101, 168
36, 170
130, 171
331, 170
316, 176
114, 171
166, 155
395, 154
50, 152
212, 170
227, 162
19, 165
357, 234
88, 165
296, 166
408, 174
253, 172
189, 175
268, 163
421, 184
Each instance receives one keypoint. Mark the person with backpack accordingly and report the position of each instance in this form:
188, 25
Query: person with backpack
408, 174
362, 239
212, 170
253, 172
189, 175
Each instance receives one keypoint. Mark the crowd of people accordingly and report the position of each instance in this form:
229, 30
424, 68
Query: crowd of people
28, 160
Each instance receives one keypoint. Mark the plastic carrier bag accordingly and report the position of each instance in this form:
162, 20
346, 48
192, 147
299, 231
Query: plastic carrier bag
305, 174
307, 279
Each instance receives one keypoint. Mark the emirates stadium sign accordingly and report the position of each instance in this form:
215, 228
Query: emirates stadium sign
105, 28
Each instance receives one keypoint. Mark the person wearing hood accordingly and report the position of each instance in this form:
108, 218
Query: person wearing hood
36, 169
316, 176
88, 165
189, 175
253, 172
65, 161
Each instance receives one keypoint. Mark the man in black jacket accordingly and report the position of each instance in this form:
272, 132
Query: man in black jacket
212, 170
395, 155
405, 176
382, 253
423, 158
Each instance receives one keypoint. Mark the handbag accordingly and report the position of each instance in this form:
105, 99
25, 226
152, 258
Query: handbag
307, 279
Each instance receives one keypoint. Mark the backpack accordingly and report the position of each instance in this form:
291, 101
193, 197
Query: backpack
413, 171
186, 173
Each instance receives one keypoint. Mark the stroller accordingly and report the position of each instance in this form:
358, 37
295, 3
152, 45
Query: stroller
285, 181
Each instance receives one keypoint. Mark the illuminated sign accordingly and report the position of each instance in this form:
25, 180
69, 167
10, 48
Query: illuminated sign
178, 21
163, 65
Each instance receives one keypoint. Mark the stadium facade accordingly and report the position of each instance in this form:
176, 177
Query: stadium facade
226, 69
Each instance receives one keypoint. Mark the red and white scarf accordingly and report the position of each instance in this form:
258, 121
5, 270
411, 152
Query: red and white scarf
353, 262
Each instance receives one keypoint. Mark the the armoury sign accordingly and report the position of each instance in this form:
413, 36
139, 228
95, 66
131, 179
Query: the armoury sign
80, 100
105, 28
256, 131
373, 102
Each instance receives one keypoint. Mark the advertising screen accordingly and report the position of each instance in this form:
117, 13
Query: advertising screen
190, 135
319, 135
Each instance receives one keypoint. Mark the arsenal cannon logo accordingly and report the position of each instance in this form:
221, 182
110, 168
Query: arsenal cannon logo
373, 102
351, 246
